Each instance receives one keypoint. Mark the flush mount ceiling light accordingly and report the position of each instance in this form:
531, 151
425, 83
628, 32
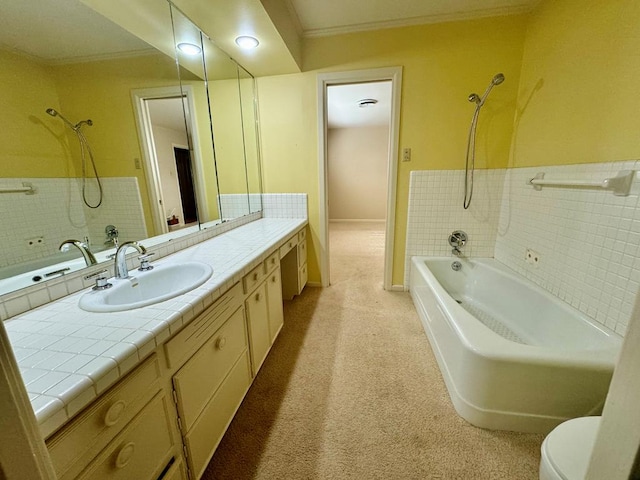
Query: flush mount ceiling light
367, 102
247, 42
189, 48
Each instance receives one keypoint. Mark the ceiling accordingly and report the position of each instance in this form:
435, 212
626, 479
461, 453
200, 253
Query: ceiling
331, 17
344, 111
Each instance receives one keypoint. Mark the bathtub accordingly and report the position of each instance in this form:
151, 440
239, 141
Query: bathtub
513, 357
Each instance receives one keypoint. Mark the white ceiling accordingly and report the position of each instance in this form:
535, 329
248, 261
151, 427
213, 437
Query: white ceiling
167, 113
330, 17
344, 111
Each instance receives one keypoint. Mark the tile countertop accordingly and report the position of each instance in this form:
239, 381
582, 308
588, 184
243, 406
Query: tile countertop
68, 357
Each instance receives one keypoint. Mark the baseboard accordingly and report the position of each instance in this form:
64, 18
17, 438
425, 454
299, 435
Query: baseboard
398, 288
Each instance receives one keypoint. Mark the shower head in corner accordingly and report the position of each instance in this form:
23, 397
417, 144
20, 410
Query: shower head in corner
479, 101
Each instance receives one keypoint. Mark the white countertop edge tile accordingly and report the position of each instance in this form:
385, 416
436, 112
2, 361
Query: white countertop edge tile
232, 255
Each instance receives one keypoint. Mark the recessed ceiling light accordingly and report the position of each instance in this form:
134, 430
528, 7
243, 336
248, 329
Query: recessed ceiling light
367, 102
247, 42
189, 48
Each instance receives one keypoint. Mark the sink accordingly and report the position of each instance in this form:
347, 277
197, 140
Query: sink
146, 288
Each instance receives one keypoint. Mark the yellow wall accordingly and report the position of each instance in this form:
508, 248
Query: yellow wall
442, 64
578, 100
32, 143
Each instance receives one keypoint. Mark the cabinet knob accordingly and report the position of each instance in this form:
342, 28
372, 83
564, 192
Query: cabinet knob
255, 276
125, 454
114, 413
258, 297
273, 278
220, 343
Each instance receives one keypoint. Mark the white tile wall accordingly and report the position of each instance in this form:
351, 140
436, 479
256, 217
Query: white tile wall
284, 205
233, 205
435, 210
588, 240
56, 213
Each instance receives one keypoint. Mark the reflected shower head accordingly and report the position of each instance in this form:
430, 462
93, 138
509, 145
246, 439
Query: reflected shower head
498, 79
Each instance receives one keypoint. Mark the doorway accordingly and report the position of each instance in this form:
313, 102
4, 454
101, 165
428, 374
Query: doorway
185, 185
393, 78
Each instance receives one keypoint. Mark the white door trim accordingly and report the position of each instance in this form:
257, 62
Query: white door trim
394, 74
139, 97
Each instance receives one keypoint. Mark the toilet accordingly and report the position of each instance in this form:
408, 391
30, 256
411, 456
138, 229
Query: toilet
567, 449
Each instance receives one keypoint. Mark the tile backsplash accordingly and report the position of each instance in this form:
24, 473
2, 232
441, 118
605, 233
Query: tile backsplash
435, 210
588, 240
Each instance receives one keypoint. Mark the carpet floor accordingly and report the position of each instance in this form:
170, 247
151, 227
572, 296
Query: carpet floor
351, 390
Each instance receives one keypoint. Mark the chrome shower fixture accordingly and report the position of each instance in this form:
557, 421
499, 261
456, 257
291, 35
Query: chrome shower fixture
477, 99
471, 142
54, 113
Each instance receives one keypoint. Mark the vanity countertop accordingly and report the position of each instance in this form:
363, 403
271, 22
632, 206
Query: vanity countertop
67, 357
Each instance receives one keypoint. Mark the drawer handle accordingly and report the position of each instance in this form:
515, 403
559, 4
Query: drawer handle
290, 244
125, 454
255, 276
114, 413
258, 297
273, 261
220, 343
273, 278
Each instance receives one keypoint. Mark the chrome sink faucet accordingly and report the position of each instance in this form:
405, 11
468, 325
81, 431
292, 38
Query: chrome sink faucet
89, 258
121, 257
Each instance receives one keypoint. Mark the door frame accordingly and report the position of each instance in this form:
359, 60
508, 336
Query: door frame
324, 80
147, 147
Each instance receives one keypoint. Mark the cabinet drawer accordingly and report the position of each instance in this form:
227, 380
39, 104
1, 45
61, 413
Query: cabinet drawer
252, 279
197, 381
204, 437
302, 235
288, 245
141, 451
272, 262
302, 252
76, 444
200, 329
258, 321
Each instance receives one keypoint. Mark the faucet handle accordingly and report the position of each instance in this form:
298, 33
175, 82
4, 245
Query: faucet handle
144, 262
101, 280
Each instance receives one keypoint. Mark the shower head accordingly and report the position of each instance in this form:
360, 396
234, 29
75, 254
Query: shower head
498, 79
54, 113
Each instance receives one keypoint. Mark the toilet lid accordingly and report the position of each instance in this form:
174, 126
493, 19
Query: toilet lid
568, 447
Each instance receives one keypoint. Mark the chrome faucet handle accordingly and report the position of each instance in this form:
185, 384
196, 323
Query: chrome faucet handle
457, 239
144, 262
101, 280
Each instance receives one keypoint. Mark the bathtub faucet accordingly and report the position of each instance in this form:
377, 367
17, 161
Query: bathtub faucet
457, 240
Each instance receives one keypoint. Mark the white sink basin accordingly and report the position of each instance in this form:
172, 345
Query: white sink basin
146, 288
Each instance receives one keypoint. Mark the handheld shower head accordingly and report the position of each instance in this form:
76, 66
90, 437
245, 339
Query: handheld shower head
498, 79
54, 113
51, 112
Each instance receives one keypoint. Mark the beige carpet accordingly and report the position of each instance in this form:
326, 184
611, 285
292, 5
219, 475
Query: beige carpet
351, 390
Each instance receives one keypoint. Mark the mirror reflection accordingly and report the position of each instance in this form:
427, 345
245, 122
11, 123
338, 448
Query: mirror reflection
103, 141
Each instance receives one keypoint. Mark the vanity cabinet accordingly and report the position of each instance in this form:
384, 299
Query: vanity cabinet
124, 434
210, 384
293, 262
165, 419
264, 308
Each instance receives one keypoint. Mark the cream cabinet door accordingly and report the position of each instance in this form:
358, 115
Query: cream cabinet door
274, 297
258, 321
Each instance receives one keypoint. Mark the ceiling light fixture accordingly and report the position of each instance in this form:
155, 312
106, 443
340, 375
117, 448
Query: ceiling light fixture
189, 48
247, 42
367, 102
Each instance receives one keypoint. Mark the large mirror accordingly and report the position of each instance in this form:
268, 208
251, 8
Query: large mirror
100, 140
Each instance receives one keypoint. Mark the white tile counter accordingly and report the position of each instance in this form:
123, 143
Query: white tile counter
68, 357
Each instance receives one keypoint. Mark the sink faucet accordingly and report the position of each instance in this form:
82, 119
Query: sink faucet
84, 249
121, 259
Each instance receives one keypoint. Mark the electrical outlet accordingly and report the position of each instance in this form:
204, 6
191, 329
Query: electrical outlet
35, 242
406, 154
532, 257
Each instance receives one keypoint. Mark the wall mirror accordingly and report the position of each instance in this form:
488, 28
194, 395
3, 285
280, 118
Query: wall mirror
83, 88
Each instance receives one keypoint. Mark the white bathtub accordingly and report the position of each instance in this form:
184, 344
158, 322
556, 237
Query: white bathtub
524, 360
